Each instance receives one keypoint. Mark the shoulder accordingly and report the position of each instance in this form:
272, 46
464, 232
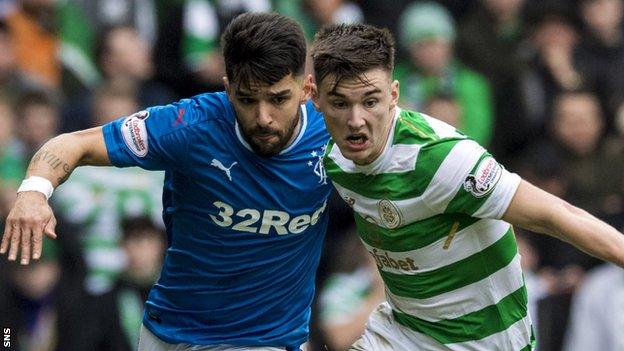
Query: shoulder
199, 108
418, 128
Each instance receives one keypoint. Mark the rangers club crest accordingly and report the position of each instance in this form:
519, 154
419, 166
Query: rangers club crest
317, 163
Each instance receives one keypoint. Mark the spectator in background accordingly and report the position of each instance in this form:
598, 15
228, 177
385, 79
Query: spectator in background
551, 67
593, 165
313, 14
427, 32
586, 169
123, 58
80, 22
38, 119
597, 314
97, 199
12, 162
13, 82
349, 294
601, 51
36, 41
445, 107
203, 21
489, 41
28, 301
188, 55
115, 317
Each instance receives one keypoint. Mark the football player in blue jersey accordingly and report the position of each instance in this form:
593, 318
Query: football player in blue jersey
244, 196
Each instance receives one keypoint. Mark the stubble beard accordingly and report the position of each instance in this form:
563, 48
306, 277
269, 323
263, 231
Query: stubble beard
271, 149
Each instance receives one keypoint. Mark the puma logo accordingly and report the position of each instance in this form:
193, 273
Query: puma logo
219, 165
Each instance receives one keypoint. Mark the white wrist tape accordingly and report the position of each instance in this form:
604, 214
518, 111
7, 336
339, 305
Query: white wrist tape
39, 184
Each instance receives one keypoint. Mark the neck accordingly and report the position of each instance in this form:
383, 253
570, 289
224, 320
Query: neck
296, 130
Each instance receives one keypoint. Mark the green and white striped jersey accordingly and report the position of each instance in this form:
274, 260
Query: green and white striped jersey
428, 209
98, 199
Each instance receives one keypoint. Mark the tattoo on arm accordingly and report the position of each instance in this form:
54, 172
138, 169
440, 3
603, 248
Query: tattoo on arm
53, 161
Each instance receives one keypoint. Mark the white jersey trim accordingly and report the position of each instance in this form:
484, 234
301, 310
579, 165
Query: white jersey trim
467, 299
467, 242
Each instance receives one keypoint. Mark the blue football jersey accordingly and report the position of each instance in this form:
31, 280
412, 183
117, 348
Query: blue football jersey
245, 232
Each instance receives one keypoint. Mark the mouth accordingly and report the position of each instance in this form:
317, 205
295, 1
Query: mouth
357, 141
265, 136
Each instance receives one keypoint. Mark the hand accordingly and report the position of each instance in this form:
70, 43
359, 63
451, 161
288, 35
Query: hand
29, 219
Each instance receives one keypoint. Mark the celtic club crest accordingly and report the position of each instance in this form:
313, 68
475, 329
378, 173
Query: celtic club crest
389, 214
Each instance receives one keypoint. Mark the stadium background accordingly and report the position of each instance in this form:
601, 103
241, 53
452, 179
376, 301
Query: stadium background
537, 82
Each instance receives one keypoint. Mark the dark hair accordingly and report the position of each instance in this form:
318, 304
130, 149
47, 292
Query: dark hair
139, 227
4, 27
262, 48
349, 50
37, 97
103, 43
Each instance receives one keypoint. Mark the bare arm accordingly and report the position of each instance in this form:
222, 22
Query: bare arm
541, 212
31, 215
59, 156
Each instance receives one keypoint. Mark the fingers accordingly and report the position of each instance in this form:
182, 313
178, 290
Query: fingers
36, 239
25, 244
6, 238
50, 228
26, 238
15, 242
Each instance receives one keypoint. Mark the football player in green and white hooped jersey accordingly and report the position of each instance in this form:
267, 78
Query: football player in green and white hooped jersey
433, 208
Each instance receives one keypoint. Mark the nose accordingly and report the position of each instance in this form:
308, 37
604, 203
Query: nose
263, 117
356, 118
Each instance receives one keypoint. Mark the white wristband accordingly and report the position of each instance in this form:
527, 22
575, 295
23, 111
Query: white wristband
39, 184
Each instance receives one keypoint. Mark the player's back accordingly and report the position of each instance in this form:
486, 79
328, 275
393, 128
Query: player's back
245, 232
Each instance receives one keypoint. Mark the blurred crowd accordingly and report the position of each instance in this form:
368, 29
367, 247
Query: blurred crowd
537, 82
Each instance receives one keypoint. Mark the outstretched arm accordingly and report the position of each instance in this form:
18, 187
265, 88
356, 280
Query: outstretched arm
541, 212
31, 216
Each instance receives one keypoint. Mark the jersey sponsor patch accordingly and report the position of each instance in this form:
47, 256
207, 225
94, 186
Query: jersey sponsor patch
485, 177
134, 133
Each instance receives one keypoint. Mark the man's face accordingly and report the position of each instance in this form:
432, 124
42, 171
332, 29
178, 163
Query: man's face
268, 115
578, 123
359, 112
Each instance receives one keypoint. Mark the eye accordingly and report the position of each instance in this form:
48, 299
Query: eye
338, 104
278, 100
246, 100
370, 103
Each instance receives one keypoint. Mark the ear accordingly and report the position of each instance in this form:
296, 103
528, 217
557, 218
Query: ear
228, 88
394, 93
307, 89
315, 97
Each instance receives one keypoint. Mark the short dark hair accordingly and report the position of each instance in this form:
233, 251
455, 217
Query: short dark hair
37, 97
139, 227
349, 50
263, 48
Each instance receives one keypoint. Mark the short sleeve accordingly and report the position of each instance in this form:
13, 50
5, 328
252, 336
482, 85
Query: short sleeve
154, 139
470, 181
